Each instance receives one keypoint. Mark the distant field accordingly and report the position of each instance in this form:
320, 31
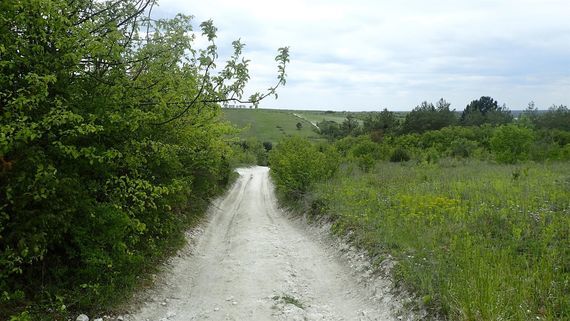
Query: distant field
339, 116
273, 124
319, 116
269, 124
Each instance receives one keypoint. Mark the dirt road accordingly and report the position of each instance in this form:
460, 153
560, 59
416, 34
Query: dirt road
252, 262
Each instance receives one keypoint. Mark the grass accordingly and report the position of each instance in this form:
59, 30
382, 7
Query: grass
269, 125
319, 116
340, 116
477, 241
287, 299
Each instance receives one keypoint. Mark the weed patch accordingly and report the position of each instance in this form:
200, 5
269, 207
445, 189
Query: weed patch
287, 299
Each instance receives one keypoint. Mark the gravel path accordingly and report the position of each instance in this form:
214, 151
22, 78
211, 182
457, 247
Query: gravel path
252, 262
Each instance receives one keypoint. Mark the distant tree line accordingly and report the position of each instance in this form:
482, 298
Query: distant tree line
427, 117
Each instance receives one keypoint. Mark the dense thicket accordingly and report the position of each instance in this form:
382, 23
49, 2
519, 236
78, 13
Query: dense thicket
109, 140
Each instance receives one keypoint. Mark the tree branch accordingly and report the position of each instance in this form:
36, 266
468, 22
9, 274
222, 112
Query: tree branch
204, 82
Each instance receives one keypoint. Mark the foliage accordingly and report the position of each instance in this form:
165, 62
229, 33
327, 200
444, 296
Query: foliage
463, 142
427, 117
364, 151
485, 110
330, 129
557, 117
511, 143
268, 146
110, 143
384, 122
251, 152
399, 155
350, 126
297, 164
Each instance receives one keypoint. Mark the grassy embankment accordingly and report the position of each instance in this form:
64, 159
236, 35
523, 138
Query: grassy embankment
480, 241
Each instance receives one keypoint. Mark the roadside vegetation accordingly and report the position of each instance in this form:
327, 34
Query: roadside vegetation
473, 207
111, 144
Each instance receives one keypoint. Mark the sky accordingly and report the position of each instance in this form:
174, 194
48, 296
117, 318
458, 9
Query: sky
362, 55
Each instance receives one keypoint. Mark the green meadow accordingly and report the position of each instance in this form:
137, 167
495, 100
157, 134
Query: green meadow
268, 125
474, 240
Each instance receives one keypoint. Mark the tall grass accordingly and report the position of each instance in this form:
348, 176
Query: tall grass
477, 241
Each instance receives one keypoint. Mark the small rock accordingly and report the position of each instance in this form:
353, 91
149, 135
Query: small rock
120, 318
216, 309
163, 303
98, 319
234, 302
170, 315
82, 317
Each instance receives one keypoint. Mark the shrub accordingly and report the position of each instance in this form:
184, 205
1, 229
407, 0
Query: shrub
399, 155
511, 143
268, 146
462, 148
297, 164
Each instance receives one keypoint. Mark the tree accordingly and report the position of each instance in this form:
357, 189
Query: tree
384, 122
330, 129
299, 126
429, 117
557, 117
349, 126
109, 121
530, 114
485, 110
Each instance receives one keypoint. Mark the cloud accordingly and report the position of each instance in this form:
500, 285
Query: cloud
365, 54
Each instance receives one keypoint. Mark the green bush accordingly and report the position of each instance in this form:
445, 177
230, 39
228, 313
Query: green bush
251, 152
462, 148
511, 143
296, 164
399, 155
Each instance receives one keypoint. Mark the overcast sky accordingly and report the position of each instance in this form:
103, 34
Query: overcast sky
373, 54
